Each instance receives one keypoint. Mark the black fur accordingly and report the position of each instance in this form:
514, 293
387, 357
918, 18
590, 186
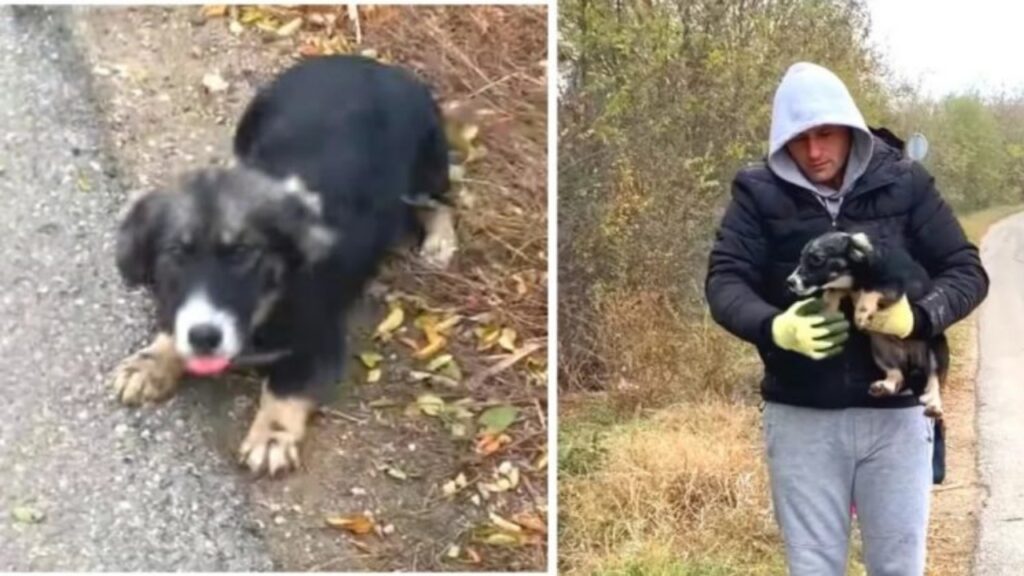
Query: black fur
368, 141
868, 265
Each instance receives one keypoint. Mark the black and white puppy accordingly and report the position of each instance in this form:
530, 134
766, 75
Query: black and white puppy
840, 264
339, 160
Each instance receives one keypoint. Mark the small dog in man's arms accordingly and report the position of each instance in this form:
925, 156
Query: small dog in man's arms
841, 265
338, 161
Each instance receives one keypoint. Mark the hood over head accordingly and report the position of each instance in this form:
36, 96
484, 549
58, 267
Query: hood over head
810, 96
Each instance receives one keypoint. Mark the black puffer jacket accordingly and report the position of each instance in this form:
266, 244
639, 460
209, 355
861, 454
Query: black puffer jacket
758, 245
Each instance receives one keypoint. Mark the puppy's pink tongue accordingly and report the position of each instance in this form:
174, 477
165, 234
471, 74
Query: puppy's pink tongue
207, 365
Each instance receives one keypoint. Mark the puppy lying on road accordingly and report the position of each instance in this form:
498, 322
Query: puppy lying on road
339, 160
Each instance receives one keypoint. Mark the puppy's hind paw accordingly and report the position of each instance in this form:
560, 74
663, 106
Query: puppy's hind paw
932, 407
438, 249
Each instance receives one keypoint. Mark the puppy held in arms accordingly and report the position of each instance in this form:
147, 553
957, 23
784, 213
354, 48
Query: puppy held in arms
339, 161
841, 265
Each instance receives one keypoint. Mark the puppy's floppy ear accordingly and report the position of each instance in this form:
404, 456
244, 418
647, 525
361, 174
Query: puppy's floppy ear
296, 217
860, 248
141, 222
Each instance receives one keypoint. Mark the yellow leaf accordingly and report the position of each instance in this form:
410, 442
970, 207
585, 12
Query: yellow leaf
250, 15
439, 362
541, 462
425, 321
448, 323
392, 322
507, 340
470, 132
488, 336
290, 28
373, 376
435, 343
214, 11
370, 359
357, 524
430, 404
500, 539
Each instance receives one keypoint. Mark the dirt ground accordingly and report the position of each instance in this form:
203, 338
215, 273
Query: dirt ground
954, 524
404, 455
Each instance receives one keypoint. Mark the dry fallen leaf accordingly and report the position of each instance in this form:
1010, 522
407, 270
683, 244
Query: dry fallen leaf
435, 343
373, 376
530, 521
430, 404
507, 340
214, 11
391, 322
395, 472
358, 524
290, 28
370, 359
437, 363
488, 444
504, 524
488, 336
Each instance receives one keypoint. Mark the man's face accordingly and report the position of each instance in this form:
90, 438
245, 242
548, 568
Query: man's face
821, 153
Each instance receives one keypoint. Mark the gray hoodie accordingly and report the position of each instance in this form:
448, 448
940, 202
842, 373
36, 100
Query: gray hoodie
810, 96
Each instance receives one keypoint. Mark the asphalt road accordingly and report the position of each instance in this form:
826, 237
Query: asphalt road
118, 489
1001, 403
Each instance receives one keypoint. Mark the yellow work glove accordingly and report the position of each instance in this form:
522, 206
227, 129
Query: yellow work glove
806, 328
896, 320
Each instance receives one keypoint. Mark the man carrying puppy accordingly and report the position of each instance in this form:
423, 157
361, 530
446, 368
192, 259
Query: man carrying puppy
831, 445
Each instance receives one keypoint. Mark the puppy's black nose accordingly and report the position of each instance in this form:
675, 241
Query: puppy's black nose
204, 338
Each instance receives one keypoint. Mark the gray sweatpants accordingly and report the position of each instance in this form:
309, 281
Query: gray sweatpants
820, 462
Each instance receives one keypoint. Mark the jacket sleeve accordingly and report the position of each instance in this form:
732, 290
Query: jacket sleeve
735, 271
940, 245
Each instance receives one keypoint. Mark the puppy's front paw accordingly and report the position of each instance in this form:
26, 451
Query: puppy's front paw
272, 445
269, 450
149, 375
880, 388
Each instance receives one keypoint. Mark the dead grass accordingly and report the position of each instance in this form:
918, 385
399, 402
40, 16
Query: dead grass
681, 492
662, 357
487, 65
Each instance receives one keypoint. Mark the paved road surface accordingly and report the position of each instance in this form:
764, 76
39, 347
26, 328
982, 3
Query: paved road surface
120, 489
1001, 403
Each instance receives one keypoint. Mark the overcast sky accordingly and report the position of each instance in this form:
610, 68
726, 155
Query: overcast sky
952, 45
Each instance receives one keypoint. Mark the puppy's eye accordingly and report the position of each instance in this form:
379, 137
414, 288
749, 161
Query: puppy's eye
815, 259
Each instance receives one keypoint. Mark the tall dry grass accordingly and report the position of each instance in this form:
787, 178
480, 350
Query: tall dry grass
681, 492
